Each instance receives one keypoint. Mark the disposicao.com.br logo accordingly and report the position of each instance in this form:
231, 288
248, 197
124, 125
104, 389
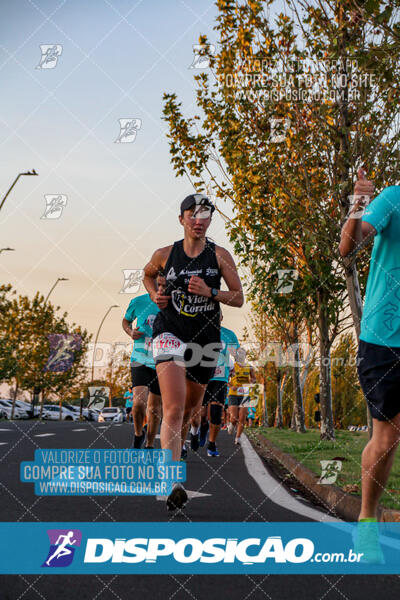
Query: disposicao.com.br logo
213, 550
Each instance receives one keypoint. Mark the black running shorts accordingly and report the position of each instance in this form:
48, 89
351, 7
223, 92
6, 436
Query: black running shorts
241, 401
146, 376
215, 392
167, 347
379, 373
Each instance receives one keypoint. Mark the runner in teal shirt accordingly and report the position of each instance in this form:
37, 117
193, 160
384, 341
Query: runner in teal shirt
215, 394
381, 316
229, 343
144, 377
144, 310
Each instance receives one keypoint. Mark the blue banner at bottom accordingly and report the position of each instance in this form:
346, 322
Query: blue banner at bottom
199, 548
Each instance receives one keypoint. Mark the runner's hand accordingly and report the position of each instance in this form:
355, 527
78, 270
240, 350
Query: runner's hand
160, 299
198, 286
136, 333
363, 188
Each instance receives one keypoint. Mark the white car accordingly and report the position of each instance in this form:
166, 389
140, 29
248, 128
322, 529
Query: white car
51, 412
25, 406
6, 409
111, 415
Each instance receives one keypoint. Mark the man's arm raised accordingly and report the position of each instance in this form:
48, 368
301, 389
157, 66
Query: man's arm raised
355, 231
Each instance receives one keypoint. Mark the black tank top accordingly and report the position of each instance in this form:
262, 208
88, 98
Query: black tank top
192, 318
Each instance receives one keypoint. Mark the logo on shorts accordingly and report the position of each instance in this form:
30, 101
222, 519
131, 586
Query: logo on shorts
62, 547
210, 271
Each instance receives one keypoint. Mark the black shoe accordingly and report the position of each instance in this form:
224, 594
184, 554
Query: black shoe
139, 440
184, 453
194, 442
177, 498
149, 448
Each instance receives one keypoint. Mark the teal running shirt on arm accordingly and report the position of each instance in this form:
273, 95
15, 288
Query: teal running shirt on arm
144, 310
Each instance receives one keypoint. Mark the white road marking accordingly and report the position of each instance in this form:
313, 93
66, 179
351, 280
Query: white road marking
275, 490
191, 494
5, 429
79, 430
43, 434
3, 443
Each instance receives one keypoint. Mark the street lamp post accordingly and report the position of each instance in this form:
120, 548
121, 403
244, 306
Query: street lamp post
97, 335
33, 172
58, 279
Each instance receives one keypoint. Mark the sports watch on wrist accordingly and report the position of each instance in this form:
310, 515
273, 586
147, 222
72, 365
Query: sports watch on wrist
214, 292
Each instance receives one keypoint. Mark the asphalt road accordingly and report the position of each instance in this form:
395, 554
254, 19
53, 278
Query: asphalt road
222, 489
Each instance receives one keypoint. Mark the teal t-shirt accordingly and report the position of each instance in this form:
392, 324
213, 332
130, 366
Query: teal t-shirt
228, 341
144, 310
128, 399
380, 322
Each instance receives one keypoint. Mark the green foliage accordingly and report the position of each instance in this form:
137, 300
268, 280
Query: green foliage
25, 325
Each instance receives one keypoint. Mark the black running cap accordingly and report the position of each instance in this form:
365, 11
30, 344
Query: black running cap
196, 199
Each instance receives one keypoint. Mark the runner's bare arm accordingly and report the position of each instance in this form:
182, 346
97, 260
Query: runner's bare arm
234, 295
153, 268
133, 332
356, 233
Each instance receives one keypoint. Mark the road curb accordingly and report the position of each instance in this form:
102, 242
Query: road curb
332, 497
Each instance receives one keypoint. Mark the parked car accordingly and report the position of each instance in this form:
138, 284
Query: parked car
27, 407
51, 412
6, 409
113, 414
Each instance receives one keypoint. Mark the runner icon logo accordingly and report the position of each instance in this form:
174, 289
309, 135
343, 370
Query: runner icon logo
50, 55
62, 550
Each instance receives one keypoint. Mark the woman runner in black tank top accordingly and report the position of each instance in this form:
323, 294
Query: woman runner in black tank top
189, 314
192, 318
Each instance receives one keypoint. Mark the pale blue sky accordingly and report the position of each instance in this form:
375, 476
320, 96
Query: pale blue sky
117, 60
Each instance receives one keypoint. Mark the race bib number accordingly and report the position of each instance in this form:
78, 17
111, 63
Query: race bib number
168, 344
219, 371
243, 390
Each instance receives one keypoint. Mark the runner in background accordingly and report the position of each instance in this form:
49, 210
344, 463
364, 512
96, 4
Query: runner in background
216, 392
239, 398
128, 397
146, 390
186, 335
251, 415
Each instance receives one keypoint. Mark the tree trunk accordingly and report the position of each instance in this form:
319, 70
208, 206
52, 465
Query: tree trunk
327, 427
344, 162
298, 409
41, 404
278, 413
14, 399
265, 412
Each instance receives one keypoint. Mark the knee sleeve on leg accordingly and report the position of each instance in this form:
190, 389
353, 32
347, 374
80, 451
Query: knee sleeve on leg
215, 414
